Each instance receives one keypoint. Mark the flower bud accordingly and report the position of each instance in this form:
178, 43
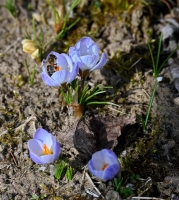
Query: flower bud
30, 48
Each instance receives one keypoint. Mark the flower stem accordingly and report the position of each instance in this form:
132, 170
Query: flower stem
78, 111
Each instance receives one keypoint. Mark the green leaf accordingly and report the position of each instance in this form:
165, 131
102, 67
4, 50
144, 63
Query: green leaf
69, 173
158, 56
59, 169
94, 94
102, 103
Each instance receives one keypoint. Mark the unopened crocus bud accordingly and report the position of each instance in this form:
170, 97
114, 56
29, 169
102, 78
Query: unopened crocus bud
30, 48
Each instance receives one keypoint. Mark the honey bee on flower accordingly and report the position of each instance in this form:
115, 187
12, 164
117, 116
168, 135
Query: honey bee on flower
52, 65
58, 69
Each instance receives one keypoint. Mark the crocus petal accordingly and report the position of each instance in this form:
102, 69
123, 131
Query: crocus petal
47, 158
99, 158
95, 49
101, 63
69, 61
73, 54
36, 158
35, 146
62, 62
56, 150
111, 157
61, 76
85, 41
73, 73
82, 66
48, 80
41, 133
89, 60
97, 173
111, 171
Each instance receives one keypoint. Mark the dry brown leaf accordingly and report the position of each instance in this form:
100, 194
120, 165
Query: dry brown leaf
96, 133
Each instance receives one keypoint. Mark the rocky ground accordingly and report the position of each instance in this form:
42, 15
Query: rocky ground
149, 159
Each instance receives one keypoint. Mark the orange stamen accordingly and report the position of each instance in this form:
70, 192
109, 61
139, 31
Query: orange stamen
57, 68
104, 167
46, 150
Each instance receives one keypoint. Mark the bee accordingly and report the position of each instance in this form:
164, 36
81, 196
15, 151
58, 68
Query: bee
52, 65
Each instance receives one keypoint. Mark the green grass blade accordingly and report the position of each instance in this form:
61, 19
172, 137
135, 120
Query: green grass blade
10, 7
74, 4
34, 30
32, 77
150, 104
83, 94
54, 38
73, 24
158, 56
27, 36
27, 67
102, 103
94, 94
65, 96
152, 57
160, 68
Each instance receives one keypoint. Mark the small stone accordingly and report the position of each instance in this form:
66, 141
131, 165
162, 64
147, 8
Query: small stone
113, 195
176, 101
52, 170
1, 157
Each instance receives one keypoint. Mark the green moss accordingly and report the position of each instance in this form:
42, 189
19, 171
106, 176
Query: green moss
140, 147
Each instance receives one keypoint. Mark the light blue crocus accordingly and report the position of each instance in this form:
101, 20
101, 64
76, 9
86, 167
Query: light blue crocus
104, 164
43, 148
59, 70
87, 54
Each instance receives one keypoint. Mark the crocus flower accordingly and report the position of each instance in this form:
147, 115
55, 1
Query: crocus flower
87, 54
58, 69
30, 48
104, 164
43, 148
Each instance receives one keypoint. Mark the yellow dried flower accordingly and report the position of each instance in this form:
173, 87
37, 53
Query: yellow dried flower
30, 48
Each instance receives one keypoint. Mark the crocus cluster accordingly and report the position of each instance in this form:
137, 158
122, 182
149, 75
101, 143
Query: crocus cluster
43, 148
104, 164
61, 69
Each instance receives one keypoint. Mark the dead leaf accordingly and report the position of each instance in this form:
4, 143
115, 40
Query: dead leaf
96, 133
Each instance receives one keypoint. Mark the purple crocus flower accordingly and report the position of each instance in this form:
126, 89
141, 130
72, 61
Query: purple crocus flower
104, 164
58, 69
43, 148
87, 54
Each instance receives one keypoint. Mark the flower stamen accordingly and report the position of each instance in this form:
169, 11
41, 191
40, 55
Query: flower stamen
46, 150
104, 166
57, 68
